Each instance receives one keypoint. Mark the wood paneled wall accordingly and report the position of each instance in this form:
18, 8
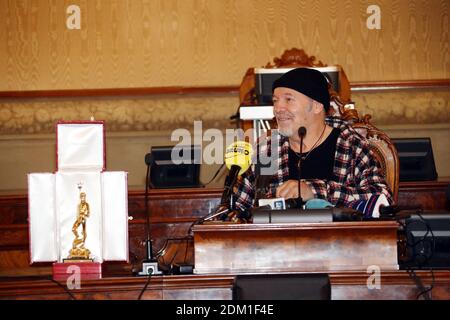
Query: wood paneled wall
149, 43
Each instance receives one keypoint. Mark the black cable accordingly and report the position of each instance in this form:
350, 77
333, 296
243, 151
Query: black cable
237, 117
425, 292
215, 175
176, 252
145, 287
72, 297
149, 246
412, 274
208, 216
146, 202
414, 259
423, 240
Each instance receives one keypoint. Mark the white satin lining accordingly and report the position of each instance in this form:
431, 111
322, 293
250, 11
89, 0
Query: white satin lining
80, 146
67, 200
115, 218
41, 217
53, 205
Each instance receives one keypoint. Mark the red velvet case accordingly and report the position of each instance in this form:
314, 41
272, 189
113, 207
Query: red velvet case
87, 270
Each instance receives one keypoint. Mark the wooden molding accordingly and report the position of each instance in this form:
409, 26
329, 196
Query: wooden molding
399, 85
119, 92
228, 90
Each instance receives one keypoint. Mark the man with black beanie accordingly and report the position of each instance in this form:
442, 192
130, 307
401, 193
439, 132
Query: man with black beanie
337, 163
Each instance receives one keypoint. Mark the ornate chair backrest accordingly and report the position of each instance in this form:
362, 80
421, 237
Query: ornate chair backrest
382, 147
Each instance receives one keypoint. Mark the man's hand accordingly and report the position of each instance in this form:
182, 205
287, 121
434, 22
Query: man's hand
289, 190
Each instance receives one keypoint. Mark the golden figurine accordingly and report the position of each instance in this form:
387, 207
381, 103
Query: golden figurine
78, 251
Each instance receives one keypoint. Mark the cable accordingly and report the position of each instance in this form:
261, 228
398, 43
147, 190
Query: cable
63, 287
237, 117
424, 254
420, 257
215, 175
160, 254
426, 292
149, 246
147, 180
429, 290
209, 216
145, 287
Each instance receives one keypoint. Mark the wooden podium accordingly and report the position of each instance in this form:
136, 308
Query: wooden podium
305, 247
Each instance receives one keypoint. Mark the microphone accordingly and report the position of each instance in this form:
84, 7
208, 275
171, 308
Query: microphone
149, 159
301, 134
238, 160
150, 264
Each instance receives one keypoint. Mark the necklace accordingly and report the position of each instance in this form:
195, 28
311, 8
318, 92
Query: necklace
313, 147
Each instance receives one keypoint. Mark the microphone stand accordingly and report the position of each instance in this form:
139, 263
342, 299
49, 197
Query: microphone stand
150, 264
301, 134
226, 204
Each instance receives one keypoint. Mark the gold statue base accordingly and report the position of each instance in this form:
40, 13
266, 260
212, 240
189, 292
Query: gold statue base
77, 259
79, 254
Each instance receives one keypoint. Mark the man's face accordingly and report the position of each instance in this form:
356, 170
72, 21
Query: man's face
292, 110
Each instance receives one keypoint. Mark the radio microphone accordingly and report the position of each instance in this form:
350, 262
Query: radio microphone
238, 160
238, 157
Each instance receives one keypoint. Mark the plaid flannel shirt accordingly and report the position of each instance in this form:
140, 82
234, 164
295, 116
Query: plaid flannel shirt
357, 173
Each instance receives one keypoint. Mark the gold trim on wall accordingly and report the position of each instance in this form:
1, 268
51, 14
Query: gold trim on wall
170, 112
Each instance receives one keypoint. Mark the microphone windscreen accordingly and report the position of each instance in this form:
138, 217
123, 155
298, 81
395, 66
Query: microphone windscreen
301, 132
149, 159
239, 154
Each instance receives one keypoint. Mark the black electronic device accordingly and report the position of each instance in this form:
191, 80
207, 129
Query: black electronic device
416, 159
428, 241
264, 78
175, 166
292, 214
282, 287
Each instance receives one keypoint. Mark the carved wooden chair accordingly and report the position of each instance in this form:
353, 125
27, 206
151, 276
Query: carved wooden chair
342, 106
381, 145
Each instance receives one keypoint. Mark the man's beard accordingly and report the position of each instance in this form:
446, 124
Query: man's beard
286, 132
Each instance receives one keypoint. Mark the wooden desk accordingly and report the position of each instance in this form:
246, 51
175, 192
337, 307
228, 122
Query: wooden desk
305, 247
122, 288
172, 211
396, 285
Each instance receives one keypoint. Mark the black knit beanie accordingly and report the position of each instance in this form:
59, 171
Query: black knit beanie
310, 82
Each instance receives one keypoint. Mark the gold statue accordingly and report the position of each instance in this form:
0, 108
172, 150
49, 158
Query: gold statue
78, 251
